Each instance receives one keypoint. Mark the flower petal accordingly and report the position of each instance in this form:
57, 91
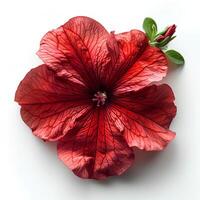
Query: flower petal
97, 150
50, 106
125, 48
142, 132
79, 47
153, 102
151, 66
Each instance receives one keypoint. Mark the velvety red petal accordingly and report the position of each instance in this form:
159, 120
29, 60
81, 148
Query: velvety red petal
78, 47
151, 66
50, 106
125, 48
142, 132
97, 150
153, 102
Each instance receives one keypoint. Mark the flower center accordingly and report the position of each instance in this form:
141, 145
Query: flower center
100, 98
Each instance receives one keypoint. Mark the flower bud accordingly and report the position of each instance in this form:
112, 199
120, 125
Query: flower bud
168, 33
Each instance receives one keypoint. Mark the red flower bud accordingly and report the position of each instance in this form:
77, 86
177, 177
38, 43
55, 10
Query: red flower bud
168, 33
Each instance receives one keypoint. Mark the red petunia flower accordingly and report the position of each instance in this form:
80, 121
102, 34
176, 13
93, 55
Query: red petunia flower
93, 96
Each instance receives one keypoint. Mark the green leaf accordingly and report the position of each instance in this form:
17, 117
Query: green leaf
150, 28
175, 57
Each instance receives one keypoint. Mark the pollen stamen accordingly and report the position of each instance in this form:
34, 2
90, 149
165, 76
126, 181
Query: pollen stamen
100, 98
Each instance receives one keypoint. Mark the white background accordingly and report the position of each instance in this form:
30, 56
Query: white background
30, 169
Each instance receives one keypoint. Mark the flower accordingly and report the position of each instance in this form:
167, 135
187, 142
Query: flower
167, 33
93, 96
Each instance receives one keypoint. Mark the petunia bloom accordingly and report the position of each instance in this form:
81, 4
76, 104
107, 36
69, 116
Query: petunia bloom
94, 96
